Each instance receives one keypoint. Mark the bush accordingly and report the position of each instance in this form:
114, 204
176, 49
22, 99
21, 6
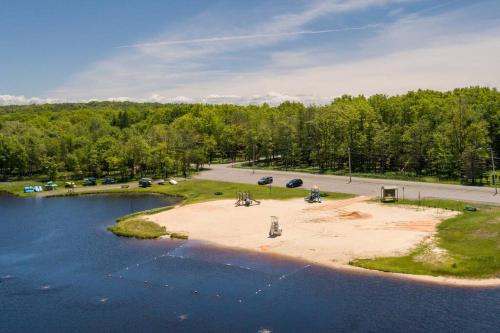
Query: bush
179, 235
138, 228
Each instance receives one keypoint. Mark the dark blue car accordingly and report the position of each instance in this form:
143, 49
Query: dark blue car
294, 183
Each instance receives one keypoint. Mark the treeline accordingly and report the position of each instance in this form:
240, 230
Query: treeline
424, 133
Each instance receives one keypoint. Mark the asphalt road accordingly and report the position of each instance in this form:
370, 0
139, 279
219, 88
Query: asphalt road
358, 186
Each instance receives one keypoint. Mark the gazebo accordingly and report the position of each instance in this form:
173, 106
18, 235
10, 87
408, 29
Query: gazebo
389, 193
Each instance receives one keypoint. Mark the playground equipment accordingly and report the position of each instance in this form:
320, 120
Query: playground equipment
314, 196
389, 193
275, 229
245, 199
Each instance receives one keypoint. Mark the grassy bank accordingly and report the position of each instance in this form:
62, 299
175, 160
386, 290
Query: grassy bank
138, 228
467, 246
17, 188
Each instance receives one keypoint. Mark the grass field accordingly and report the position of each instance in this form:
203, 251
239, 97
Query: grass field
16, 188
467, 245
193, 191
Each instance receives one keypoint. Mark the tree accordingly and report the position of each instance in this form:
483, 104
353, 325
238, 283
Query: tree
49, 167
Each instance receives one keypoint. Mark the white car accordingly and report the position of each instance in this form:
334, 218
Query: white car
172, 182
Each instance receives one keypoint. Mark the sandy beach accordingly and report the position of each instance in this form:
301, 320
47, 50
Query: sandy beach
330, 233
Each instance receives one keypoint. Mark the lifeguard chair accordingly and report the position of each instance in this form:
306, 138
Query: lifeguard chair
275, 229
389, 194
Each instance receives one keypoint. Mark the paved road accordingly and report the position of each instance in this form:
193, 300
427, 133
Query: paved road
358, 186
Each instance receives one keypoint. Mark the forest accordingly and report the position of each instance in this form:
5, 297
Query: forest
449, 135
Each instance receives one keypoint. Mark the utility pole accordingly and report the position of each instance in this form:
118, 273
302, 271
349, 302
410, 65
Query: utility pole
253, 163
494, 171
350, 170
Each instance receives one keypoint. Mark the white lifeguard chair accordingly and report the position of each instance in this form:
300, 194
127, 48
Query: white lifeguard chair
275, 229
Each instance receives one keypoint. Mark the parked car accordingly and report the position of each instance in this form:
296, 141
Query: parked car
109, 180
50, 186
265, 180
172, 181
90, 181
145, 182
29, 189
294, 183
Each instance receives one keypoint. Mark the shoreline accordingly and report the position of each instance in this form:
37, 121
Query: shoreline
455, 282
308, 237
438, 280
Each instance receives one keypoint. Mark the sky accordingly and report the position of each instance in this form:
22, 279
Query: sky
243, 52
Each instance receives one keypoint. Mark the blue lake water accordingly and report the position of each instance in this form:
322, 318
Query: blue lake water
61, 271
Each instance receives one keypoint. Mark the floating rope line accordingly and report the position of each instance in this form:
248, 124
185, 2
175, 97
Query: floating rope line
146, 261
171, 254
281, 277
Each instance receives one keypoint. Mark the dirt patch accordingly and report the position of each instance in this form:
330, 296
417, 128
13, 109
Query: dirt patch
424, 225
331, 205
483, 234
265, 248
354, 215
432, 254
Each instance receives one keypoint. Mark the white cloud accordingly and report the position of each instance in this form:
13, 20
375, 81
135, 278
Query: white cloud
418, 51
271, 98
441, 68
163, 65
22, 100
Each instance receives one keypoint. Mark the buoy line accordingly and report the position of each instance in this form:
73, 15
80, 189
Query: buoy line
170, 254
280, 278
166, 254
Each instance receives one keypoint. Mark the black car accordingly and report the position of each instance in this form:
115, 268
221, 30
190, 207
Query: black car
109, 180
294, 183
90, 181
145, 182
265, 181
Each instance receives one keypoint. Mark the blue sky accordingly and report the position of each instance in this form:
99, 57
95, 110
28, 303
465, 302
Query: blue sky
243, 51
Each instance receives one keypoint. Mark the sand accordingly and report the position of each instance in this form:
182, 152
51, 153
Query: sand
330, 233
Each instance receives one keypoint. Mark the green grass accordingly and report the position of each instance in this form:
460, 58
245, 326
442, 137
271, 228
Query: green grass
196, 190
144, 212
471, 241
179, 235
138, 228
17, 188
435, 203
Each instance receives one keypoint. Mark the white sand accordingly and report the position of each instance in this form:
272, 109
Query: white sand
330, 233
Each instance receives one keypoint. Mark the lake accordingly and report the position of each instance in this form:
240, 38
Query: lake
62, 271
